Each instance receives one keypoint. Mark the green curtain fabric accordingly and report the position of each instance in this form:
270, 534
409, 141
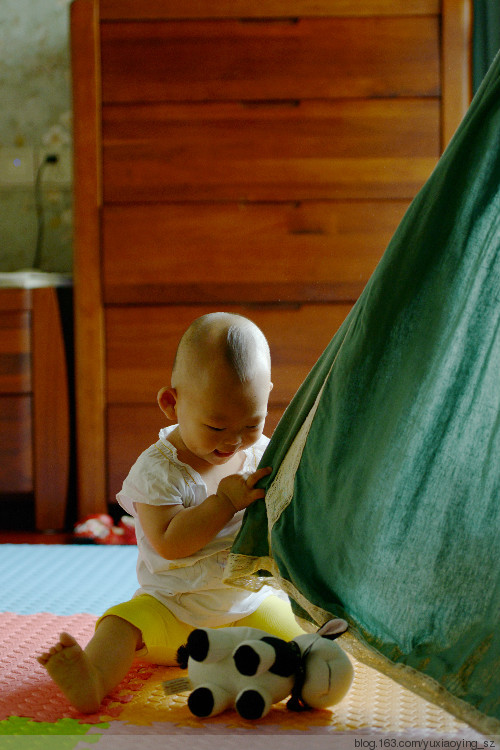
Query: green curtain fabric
485, 38
384, 502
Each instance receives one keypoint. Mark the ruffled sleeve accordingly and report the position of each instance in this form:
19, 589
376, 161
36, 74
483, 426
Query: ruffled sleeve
153, 480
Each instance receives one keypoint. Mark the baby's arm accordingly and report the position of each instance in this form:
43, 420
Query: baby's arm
175, 531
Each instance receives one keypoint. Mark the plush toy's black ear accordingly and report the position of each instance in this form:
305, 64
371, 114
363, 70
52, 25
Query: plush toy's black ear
182, 656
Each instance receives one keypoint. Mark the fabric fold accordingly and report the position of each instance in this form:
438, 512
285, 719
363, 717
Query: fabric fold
384, 502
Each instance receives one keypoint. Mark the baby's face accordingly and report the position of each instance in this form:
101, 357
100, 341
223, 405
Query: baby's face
220, 417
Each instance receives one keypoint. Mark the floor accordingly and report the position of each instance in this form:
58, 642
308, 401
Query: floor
34, 537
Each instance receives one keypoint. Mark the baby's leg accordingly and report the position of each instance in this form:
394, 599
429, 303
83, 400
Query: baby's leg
276, 617
87, 676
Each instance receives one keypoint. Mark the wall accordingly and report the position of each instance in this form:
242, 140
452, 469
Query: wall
35, 113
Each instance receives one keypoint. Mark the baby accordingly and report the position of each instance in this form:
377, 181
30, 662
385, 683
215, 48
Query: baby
187, 493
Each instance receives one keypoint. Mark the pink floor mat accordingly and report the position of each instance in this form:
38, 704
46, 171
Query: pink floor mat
31, 703
26, 689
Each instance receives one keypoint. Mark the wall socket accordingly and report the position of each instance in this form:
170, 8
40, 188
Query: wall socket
59, 173
19, 166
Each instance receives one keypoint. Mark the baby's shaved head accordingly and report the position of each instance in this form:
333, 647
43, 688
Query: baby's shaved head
221, 337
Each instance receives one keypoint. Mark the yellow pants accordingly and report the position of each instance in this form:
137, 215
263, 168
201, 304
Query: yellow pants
163, 633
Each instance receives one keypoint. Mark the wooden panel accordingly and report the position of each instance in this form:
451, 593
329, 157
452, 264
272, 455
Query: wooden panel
50, 412
15, 358
157, 9
134, 427
316, 150
312, 58
261, 252
89, 326
131, 429
456, 64
141, 343
14, 299
15, 444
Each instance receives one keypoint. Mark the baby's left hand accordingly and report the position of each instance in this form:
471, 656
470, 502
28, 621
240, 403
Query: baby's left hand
240, 490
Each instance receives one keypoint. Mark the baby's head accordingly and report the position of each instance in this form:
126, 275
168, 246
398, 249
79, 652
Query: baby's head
221, 380
222, 342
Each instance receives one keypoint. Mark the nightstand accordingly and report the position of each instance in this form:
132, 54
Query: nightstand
34, 404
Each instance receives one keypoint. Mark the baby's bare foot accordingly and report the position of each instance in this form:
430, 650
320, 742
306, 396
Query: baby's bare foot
70, 668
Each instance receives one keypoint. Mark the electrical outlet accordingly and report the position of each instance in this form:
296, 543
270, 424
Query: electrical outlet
57, 173
17, 166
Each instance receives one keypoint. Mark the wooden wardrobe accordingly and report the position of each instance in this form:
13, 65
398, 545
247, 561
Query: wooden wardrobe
246, 156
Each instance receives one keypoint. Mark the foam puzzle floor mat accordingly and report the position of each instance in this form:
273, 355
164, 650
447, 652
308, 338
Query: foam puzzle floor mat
47, 589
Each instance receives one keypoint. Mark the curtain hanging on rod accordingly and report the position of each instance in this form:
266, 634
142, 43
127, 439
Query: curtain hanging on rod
384, 502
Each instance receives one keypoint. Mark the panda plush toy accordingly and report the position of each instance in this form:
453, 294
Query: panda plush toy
248, 669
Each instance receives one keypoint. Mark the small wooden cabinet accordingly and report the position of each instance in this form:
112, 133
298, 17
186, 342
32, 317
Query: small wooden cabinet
246, 156
34, 405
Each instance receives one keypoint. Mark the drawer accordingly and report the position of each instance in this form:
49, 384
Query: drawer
308, 58
185, 253
133, 428
141, 344
155, 10
16, 462
15, 357
366, 149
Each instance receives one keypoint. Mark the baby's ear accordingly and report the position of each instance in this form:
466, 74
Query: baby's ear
167, 400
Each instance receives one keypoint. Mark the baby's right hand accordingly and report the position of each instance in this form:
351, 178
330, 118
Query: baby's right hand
240, 490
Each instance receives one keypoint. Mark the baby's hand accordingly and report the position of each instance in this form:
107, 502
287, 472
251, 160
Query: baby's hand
239, 490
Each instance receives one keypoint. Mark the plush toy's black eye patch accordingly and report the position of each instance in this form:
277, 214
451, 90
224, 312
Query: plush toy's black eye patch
286, 661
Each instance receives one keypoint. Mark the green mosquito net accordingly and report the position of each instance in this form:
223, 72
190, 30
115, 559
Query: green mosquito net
384, 502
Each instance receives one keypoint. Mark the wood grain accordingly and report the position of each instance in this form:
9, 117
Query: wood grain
15, 350
16, 458
310, 59
158, 9
141, 343
294, 252
316, 151
89, 326
16, 468
456, 65
51, 437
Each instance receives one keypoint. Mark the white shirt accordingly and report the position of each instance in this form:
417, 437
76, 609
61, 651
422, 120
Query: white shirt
191, 587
